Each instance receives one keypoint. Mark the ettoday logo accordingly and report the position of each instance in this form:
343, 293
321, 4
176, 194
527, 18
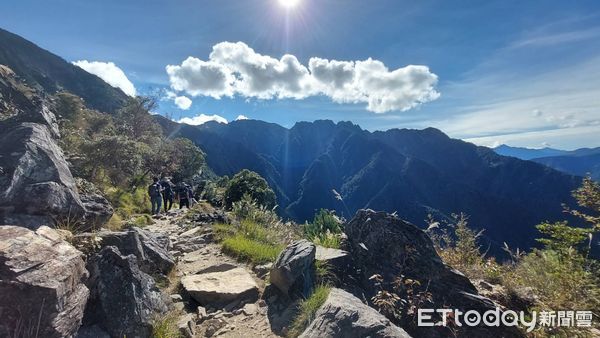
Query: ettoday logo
497, 317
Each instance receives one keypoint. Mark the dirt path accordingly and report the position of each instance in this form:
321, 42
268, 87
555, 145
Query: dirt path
195, 251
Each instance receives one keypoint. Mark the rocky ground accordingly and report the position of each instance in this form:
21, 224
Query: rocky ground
212, 294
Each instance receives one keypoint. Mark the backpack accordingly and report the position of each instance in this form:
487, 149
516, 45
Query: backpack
167, 189
154, 190
184, 193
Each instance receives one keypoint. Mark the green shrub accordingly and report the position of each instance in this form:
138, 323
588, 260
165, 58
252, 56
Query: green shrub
328, 240
307, 310
251, 183
128, 203
325, 229
559, 280
249, 209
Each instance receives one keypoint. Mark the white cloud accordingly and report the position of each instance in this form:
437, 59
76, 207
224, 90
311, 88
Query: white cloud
197, 77
241, 117
236, 69
183, 102
201, 119
110, 73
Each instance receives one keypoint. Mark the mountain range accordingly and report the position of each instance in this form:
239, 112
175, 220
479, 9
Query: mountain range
580, 162
342, 167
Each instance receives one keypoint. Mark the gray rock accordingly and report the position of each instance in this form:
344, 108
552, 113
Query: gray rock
186, 325
123, 299
41, 279
338, 261
98, 210
262, 270
92, 331
345, 316
175, 298
384, 244
152, 256
201, 311
293, 271
221, 287
36, 185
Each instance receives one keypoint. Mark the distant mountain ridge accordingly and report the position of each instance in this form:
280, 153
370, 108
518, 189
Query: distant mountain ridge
580, 162
527, 153
48, 72
413, 172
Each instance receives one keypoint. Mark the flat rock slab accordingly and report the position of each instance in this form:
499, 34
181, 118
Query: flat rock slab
41, 282
221, 286
327, 254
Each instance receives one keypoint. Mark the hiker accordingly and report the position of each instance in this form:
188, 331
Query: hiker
184, 196
155, 193
168, 193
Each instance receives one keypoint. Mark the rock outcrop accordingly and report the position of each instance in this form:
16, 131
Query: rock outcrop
36, 186
344, 316
293, 272
383, 244
123, 299
42, 290
150, 251
98, 209
220, 285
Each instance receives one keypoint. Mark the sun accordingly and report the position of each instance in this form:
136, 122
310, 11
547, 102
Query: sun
289, 3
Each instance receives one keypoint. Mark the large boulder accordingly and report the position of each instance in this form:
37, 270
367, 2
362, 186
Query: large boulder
41, 284
36, 185
123, 299
98, 208
293, 270
345, 316
383, 244
220, 285
150, 251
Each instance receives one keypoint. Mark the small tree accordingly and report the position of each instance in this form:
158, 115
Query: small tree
251, 183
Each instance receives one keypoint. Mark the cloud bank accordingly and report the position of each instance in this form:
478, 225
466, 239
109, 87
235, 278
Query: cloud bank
110, 73
236, 69
201, 119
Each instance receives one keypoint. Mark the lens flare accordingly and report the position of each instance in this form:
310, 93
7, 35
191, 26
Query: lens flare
289, 3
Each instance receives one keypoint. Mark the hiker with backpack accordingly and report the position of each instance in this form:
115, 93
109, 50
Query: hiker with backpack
155, 193
168, 193
184, 193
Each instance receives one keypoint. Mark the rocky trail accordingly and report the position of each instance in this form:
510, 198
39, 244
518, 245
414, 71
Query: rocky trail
211, 293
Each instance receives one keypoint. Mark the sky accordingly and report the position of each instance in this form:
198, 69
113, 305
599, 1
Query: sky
523, 73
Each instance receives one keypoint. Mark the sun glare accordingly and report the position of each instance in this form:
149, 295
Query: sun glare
289, 3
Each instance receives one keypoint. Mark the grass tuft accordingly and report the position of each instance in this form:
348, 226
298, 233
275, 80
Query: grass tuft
250, 250
307, 310
165, 326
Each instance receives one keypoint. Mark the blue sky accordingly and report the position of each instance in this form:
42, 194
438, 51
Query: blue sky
526, 73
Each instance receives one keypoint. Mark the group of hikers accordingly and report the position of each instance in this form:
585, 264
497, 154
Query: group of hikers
164, 192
